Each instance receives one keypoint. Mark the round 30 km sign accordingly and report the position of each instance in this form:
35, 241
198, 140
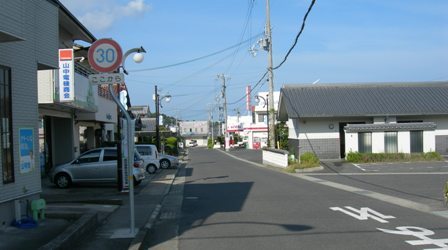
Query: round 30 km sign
105, 55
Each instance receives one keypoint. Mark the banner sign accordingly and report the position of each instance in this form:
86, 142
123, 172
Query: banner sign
26, 152
66, 75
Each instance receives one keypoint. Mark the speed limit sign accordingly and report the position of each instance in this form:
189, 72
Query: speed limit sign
105, 55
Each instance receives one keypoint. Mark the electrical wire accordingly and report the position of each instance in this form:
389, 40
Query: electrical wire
197, 58
252, 89
243, 32
287, 54
297, 36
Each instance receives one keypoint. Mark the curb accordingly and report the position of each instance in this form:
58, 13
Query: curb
136, 243
86, 224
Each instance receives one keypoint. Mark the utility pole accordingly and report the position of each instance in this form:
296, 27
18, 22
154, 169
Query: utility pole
156, 99
271, 113
224, 78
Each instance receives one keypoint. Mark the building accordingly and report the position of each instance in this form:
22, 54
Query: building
253, 128
29, 42
195, 130
335, 119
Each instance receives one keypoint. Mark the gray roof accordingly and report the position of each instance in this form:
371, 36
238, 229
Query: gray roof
351, 100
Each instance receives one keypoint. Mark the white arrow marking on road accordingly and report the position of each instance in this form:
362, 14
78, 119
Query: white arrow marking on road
364, 213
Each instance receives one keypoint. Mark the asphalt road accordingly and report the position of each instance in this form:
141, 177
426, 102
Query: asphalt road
224, 203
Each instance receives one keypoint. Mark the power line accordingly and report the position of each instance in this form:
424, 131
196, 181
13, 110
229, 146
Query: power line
197, 58
252, 89
298, 35
287, 54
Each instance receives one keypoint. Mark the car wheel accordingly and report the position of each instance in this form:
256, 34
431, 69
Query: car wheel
151, 169
62, 180
136, 183
164, 163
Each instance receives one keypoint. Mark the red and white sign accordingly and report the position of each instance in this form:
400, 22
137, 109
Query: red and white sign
66, 75
105, 55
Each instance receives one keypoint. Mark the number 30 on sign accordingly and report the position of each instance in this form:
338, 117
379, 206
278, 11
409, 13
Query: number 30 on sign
105, 55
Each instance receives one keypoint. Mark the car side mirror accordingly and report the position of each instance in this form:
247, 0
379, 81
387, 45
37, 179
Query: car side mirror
76, 161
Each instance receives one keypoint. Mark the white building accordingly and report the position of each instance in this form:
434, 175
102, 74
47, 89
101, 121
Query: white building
333, 120
195, 130
254, 128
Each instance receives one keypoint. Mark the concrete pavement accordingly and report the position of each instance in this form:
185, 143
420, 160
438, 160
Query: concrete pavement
91, 217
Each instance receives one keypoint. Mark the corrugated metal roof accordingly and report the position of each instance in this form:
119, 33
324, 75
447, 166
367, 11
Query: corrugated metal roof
344, 100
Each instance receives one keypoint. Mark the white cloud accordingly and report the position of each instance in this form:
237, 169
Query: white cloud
100, 15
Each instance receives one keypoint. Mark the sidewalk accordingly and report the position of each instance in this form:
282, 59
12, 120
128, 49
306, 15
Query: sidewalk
91, 217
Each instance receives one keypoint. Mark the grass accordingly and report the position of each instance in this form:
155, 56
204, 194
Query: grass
307, 160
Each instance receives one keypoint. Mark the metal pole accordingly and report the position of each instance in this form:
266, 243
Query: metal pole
226, 135
130, 159
157, 119
271, 114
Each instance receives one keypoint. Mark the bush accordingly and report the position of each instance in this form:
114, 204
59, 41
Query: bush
309, 159
357, 157
171, 150
210, 143
354, 157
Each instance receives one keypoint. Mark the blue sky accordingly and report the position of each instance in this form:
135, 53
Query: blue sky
343, 42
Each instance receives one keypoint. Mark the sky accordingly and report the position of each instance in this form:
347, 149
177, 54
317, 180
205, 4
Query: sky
190, 43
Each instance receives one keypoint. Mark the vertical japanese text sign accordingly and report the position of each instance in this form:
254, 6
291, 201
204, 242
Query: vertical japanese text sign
66, 75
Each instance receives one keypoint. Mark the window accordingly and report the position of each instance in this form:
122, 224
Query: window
6, 153
91, 156
416, 141
365, 142
110, 155
390, 142
261, 118
144, 150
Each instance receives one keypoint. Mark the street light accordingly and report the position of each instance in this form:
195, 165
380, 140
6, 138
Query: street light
266, 104
157, 100
138, 57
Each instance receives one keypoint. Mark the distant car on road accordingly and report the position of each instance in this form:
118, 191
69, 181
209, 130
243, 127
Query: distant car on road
193, 143
96, 165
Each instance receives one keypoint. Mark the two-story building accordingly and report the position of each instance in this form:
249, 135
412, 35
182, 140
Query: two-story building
29, 42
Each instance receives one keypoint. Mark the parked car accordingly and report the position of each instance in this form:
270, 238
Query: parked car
167, 161
96, 165
150, 155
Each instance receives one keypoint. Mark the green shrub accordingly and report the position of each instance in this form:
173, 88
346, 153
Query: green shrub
354, 157
210, 143
309, 159
357, 157
432, 156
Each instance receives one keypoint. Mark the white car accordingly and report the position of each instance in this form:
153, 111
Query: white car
150, 155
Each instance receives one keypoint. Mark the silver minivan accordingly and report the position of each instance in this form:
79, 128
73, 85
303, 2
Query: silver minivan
96, 165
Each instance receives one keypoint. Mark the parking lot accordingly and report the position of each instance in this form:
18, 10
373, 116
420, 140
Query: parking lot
420, 182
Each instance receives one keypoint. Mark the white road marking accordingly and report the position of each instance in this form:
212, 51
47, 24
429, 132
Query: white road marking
419, 232
364, 213
356, 165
